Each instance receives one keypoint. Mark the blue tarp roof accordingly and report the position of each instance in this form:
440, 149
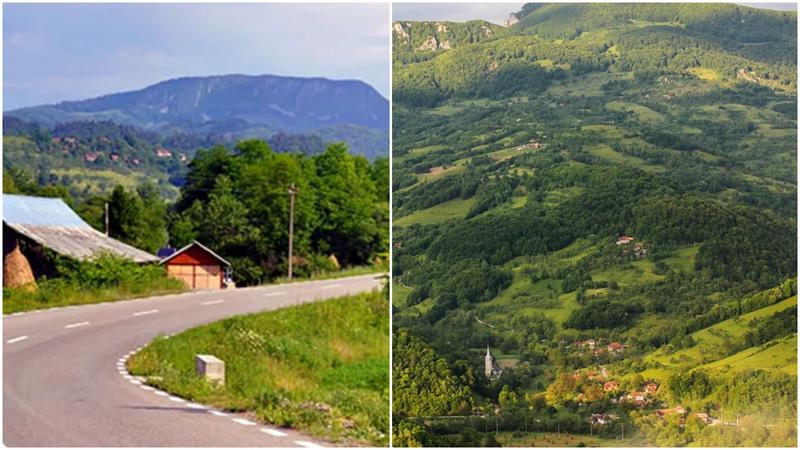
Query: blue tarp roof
53, 212
51, 223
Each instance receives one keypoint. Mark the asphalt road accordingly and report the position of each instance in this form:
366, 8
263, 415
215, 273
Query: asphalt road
63, 382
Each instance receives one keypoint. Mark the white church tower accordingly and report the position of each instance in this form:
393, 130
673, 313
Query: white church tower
489, 364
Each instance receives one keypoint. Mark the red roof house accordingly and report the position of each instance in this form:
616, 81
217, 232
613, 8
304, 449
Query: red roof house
198, 267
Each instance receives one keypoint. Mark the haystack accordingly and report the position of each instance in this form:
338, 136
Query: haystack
17, 272
334, 261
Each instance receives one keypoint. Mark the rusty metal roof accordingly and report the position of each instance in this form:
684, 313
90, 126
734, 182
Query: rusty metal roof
51, 223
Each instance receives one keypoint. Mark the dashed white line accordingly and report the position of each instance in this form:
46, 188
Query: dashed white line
147, 388
195, 406
144, 313
76, 325
273, 294
331, 286
16, 339
218, 413
161, 393
212, 302
243, 422
177, 399
273, 432
307, 444
137, 382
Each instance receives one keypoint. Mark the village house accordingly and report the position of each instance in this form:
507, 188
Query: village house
610, 386
616, 347
163, 153
670, 411
635, 398
624, 240
198, 267
603, 418
651, 387
91, 156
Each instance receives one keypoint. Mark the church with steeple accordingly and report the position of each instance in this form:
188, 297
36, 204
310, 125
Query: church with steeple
491, 369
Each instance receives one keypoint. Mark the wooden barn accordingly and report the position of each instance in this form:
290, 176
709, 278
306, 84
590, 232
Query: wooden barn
198, 267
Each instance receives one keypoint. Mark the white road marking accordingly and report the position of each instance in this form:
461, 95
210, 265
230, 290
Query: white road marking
75, 325
177, 399
144, 313
16, 339
161, 393
135, 382
273, 294
307, 444
331, 286
127, 377
195, 406
243, 421
218, 413
212, 302
273, 432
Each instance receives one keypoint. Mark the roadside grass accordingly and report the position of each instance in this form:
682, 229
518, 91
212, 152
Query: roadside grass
332, 275
106, 279
442, 212
321, 367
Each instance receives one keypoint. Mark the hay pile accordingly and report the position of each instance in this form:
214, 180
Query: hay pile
334, 261
17, 272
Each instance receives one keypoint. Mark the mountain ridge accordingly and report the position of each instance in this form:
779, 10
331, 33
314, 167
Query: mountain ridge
198, 103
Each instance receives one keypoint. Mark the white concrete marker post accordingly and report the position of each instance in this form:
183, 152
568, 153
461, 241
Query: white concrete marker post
211, 368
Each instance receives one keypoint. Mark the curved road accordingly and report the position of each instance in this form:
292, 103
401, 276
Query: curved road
63, 386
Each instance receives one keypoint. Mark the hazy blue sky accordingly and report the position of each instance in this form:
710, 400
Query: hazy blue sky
55, 52
494, 12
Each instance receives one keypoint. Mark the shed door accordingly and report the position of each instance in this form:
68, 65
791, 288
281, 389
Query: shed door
207, 277
182, 272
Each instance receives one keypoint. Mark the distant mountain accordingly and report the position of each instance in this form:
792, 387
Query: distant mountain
228, 102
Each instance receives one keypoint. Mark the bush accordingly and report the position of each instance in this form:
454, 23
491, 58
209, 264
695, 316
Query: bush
106, 278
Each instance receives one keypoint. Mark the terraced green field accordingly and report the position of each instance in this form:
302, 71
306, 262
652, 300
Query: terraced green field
710, 341
442, 212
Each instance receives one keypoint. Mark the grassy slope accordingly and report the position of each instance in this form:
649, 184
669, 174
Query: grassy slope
442, 212
322, 367
709, 341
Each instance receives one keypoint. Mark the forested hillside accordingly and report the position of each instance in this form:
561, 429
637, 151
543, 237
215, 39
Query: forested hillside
605, 195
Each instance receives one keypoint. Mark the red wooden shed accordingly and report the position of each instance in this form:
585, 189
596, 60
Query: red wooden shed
198, 267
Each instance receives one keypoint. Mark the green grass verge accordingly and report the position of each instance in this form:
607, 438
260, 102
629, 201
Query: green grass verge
321, 367
105, 279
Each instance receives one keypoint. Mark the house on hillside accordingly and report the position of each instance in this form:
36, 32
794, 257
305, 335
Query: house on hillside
624, 240
32, 226
198, 267
162, 153
616, 347
610, 386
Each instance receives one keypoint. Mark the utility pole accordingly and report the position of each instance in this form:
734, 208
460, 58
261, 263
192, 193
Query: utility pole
292, 194
106, 217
